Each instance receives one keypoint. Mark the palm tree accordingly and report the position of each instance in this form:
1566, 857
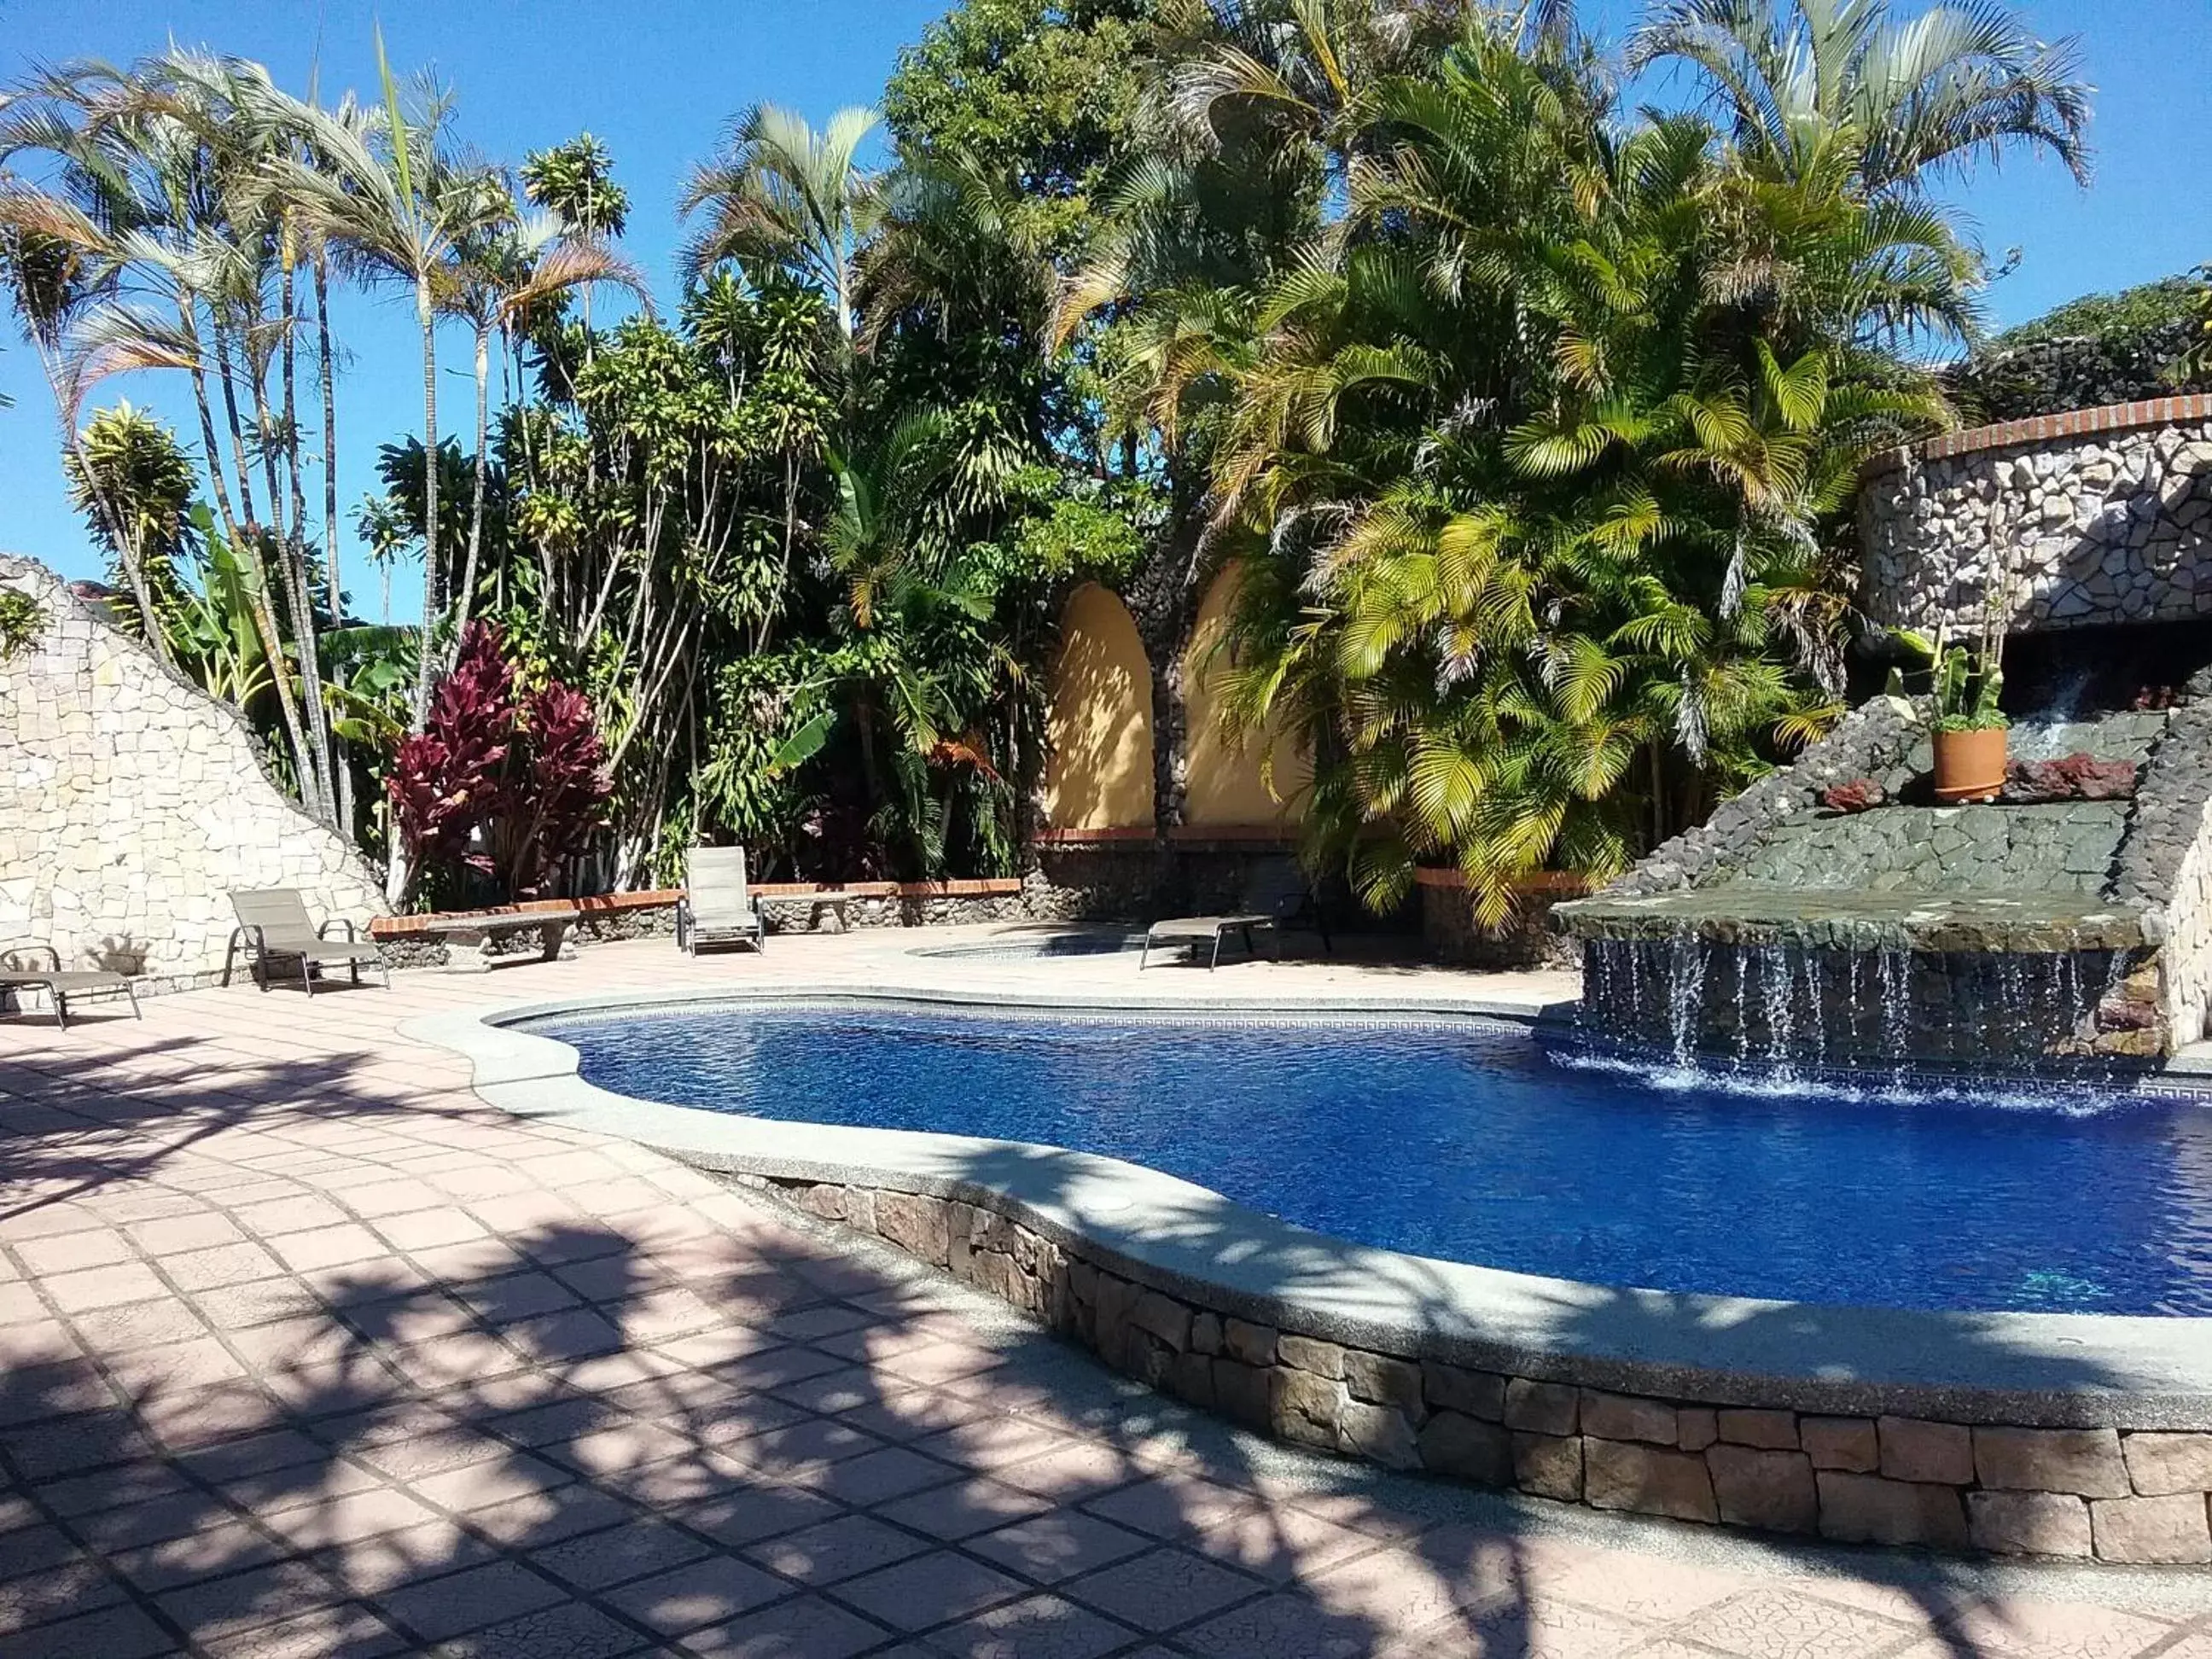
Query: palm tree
398, 203
503, 268
1915, 96
780, 192
131, 480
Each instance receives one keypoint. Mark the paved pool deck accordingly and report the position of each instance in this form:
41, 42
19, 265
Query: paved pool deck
305, 1350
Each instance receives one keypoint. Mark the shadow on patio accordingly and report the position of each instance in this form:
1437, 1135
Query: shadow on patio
295, 1365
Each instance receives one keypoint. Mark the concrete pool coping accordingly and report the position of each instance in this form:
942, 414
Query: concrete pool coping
2077, 1370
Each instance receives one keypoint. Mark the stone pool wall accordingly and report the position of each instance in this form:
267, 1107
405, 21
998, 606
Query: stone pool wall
2093, 517
2062, 1485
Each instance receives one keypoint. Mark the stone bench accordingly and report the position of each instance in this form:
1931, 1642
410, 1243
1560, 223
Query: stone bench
473, 938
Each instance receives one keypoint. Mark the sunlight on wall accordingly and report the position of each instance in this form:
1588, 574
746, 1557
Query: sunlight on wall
1100, 775
1226, 784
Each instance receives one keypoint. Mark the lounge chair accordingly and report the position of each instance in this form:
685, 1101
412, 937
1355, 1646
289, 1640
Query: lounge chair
62, 983
717, 908
273, 922
1276, 896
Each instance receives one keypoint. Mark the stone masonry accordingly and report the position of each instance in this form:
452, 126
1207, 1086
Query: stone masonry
133, 803
2136, 1496
2100, 516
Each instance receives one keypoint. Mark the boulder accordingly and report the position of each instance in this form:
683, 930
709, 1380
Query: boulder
1859, 795
2075, 777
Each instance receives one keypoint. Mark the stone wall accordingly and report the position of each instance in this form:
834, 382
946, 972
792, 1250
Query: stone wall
2081, 371
2096, 517
1874, 740
134, 803
2117, 1494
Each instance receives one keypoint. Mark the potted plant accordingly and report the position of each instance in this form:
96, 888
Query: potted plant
1965, 686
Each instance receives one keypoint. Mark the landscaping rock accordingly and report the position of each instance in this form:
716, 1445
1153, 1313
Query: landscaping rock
1473, 1393
1380, 1380
1467, 1448
1624, 1417
1549, 1466
1539, 1408
2160, 1465
1860, 795
1771, 1490
1378, 1433
1864, 1509
1255, 1345
1848, 1444
1913, 1450
1303, 1407
2027, 1523
1769, 1429
2151, 1531
2084, 1462
1305, 1354
1618, 1475
2075, 777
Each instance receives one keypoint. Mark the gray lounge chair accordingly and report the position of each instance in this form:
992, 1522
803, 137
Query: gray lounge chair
61, 983
717, 907
1276, 896
273, 922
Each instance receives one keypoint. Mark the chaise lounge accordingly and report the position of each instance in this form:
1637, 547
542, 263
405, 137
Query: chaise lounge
717, 908
61, 983
273, 922
1276, 896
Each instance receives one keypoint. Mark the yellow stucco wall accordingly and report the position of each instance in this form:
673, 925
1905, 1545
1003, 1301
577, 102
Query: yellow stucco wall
1225, 783
1100, 772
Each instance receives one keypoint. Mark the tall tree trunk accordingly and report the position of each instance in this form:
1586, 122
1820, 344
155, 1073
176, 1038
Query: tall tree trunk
297, 595
251, 549
399, 870
341, 761
467, 595
426, 657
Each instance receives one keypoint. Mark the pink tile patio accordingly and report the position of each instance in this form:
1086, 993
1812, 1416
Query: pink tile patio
304, 1350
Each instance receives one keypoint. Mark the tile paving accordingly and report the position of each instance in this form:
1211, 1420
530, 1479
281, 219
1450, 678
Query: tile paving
306, 1351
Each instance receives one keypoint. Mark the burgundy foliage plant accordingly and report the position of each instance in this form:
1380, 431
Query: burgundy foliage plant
506, 783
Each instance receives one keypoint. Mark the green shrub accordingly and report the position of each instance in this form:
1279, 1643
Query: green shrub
21, 621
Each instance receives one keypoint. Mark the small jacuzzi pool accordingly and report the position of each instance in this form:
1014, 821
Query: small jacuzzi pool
1463, 1139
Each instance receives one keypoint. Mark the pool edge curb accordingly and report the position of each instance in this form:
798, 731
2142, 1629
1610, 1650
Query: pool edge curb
1968, 1375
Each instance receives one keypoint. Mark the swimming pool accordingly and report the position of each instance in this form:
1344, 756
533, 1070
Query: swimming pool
1462, 1139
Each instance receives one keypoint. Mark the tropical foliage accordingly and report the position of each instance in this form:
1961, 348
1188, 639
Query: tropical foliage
1527, 419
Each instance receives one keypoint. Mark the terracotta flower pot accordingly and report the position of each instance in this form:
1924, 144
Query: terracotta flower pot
1969, 765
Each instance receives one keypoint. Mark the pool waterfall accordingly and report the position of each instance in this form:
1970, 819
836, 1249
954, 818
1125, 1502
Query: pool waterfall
1796, 935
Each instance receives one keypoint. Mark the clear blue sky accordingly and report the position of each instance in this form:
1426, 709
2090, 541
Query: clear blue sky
656, 79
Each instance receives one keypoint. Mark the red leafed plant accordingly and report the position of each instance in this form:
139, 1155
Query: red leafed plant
529, 771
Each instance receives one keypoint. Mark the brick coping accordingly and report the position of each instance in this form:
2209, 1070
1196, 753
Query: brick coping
2042, 428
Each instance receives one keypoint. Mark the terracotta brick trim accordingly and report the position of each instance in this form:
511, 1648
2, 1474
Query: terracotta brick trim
594, 904
2044, 428
657, 898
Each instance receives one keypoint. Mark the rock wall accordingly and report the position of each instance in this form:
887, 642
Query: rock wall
133, 803
1990, 1476
2100, 516
2081, 371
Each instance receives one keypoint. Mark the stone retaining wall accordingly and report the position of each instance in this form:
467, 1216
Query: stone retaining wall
2135, 1496
2094, 517
134, 803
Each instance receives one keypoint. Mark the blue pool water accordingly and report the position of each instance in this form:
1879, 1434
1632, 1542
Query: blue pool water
1465, 1140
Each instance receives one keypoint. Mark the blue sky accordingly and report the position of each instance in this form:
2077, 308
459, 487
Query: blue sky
657, 79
